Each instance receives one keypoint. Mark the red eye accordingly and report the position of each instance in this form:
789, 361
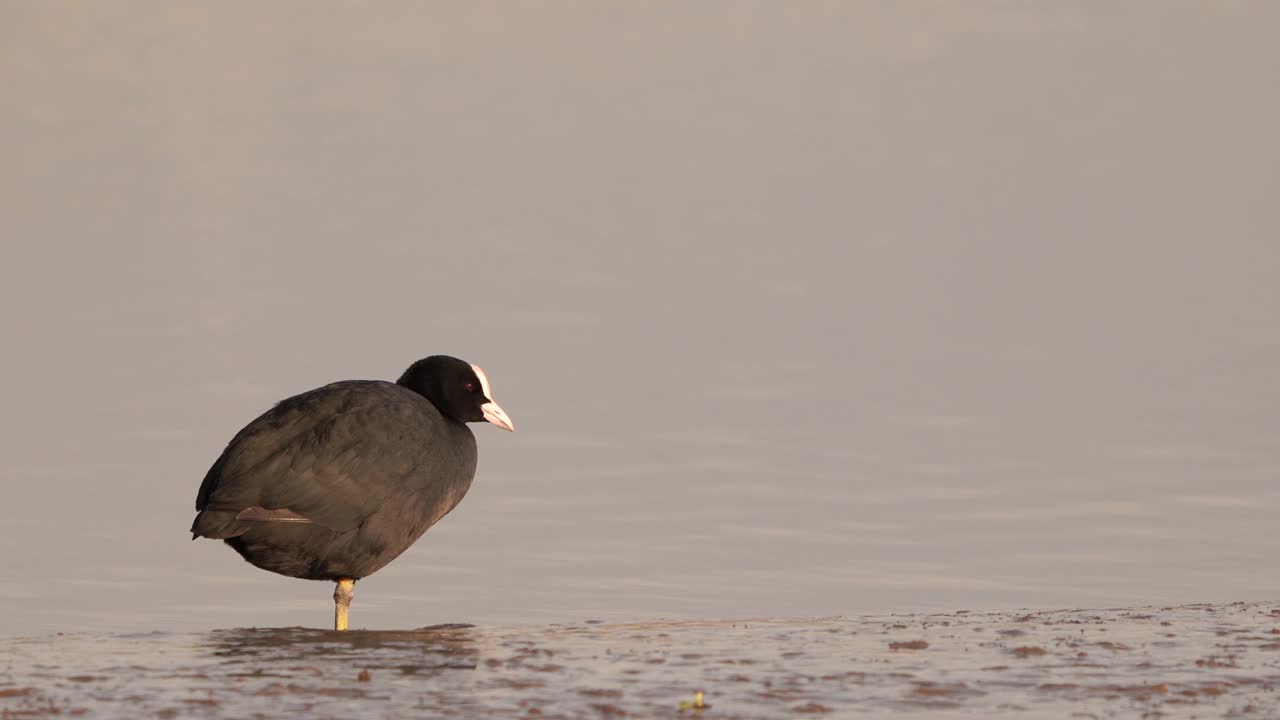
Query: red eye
471, 387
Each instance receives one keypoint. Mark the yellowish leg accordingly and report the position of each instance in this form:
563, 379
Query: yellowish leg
342, 602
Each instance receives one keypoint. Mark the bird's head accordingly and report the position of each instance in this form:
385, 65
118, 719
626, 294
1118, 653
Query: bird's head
458, 389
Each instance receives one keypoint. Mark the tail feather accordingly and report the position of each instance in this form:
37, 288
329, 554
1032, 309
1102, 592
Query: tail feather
217, 525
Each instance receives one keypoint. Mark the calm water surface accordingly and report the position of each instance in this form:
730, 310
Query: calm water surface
839, 309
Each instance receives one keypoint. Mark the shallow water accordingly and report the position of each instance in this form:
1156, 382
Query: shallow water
829, 309
1174, 662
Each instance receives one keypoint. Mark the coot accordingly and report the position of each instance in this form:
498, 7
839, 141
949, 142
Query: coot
335, 483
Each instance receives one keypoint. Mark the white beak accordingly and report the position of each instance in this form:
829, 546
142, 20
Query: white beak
497, 416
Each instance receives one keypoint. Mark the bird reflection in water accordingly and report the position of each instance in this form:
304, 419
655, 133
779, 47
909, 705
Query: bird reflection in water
295, 652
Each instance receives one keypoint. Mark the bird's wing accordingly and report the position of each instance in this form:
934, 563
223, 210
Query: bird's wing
332, 456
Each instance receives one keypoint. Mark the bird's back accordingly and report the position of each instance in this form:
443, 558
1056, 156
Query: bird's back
336, 482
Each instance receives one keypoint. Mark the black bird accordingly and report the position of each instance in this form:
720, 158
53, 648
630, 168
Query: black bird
336, 482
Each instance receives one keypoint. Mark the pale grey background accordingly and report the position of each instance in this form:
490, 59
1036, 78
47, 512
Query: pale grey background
800, 308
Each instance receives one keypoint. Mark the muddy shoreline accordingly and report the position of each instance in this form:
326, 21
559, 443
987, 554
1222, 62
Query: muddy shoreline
1184, 661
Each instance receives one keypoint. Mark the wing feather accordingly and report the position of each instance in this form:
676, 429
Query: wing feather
332, 456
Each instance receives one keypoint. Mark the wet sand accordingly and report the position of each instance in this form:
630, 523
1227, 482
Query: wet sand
1187, 661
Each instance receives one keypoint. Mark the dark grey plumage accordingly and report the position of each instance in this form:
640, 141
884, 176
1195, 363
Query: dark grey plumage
335, 483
